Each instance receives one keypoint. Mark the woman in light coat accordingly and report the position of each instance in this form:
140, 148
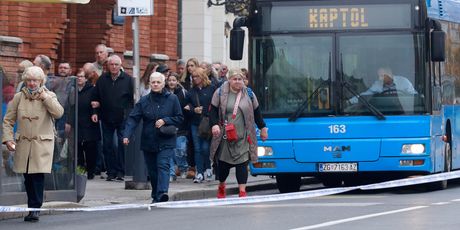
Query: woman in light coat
34, 110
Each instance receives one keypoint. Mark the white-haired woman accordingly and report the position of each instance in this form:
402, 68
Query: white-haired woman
34, 110
161, 113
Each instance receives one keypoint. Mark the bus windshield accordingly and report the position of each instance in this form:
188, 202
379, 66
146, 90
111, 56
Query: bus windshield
323, 71
382, 69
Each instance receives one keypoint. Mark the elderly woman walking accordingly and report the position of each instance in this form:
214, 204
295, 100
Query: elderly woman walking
34, 109
234, 113
161, 113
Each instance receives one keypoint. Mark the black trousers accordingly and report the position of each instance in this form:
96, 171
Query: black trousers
35, 186
241, 170
87, 155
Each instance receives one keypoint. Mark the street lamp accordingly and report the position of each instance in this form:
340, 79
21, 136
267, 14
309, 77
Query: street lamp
237, 7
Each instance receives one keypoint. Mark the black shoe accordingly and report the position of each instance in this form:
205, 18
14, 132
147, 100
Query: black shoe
110, 178
90, 176
163, 197
119, 178
33, 216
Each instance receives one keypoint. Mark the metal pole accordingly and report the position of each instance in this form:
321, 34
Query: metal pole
139, 171
136, 66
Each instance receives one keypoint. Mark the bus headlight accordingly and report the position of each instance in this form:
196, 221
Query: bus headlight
413, 149
264, 151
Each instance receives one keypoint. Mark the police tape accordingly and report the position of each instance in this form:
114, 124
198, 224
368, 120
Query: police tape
250, 199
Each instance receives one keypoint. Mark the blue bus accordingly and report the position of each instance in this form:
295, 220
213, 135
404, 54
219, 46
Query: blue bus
353, 90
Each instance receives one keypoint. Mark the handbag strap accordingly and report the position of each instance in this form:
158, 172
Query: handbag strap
235, 107
197, 99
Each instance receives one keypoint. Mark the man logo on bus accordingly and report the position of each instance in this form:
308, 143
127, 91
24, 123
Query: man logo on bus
343, 148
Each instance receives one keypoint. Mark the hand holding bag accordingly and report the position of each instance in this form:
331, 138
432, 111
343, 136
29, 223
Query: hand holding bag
204, 129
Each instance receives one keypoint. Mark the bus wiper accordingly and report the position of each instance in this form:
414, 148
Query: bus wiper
304, 105
363, 101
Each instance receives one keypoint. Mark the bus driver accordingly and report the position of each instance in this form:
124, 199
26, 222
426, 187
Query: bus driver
387, 84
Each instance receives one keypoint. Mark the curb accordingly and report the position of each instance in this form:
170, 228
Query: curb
204, 193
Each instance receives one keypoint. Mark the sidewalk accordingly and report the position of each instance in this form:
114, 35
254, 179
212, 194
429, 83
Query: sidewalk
100, 192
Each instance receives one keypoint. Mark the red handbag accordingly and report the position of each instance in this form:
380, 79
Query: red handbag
230, 129
230, 132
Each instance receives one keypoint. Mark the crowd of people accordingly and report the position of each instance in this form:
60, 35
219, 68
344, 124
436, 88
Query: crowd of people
173, 106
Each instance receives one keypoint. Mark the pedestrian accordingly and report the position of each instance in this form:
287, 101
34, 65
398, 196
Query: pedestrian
101, 53
161, 114
200, 99
89, 133
23, 65
33, 110
186, 77
144, 85
180, 67
234, 113
114, 93
180, 157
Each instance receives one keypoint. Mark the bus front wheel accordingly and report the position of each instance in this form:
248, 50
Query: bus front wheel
288, 183
440, 185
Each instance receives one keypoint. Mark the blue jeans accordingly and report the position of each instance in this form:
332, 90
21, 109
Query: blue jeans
158, 169
114, 158
201, 151
181, 153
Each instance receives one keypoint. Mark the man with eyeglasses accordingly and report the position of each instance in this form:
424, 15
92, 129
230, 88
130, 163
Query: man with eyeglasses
114, 94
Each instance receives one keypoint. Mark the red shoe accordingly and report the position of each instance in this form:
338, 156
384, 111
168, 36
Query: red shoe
243, 194
221, 191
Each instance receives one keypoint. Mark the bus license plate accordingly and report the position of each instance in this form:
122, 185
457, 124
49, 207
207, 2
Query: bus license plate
338, 167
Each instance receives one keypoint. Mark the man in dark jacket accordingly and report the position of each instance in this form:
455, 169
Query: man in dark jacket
159, 110
113, 92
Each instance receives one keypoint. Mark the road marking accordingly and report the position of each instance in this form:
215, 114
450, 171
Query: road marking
335, 222
302, 205
440, 203
456, 200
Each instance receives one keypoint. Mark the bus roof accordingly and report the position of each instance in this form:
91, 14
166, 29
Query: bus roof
448, 10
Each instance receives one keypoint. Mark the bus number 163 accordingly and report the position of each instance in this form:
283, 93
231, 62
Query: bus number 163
337, 128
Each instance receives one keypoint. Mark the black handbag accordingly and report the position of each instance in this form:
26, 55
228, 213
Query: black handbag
168, 130
204, 129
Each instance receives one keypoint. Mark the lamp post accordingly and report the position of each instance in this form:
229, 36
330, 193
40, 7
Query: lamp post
237, 7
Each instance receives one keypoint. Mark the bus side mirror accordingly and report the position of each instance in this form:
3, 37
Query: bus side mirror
236, 43
438, 45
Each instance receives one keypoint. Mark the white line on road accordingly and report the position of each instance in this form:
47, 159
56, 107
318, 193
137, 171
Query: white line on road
290, 205
335, 222
440, 203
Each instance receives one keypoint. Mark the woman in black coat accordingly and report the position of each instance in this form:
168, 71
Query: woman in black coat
88, 131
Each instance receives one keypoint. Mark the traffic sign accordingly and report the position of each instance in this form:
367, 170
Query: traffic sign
135, 7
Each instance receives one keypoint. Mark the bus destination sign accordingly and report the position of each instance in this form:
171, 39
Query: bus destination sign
344, 17
358, 17
337, 17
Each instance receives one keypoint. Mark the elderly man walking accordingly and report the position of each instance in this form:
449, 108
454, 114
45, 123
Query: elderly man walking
114, 93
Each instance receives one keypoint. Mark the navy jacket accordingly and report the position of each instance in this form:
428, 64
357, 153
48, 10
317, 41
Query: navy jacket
150, 108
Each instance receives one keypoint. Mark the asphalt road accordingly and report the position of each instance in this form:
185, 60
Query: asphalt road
400, 208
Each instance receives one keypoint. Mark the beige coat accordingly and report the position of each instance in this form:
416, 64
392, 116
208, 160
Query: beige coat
247, 106
35, 131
